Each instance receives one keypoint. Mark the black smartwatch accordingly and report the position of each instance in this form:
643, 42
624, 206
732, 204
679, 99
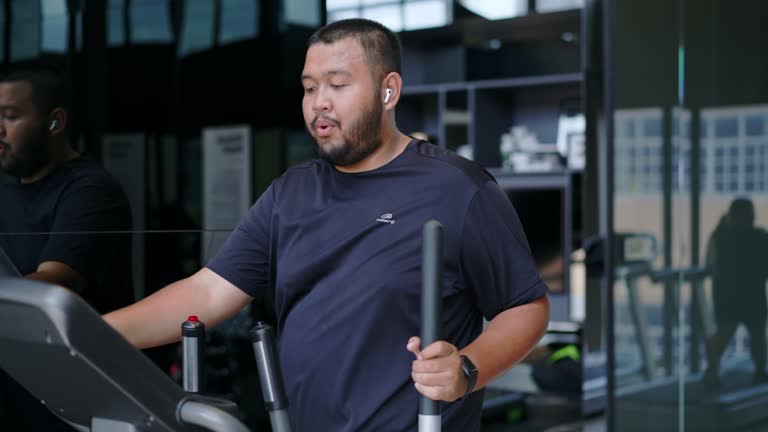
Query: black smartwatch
470, 371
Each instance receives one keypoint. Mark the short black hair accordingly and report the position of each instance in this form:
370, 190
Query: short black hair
50, 87
380, 44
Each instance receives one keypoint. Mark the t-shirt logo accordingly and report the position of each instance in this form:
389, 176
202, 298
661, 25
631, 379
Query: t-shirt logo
386, 218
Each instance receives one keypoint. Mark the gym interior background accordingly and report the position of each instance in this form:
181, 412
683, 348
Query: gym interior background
621, 130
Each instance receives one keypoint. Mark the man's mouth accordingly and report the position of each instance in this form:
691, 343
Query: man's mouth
324, 127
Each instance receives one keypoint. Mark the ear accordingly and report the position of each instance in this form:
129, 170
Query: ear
57, 121
394, 82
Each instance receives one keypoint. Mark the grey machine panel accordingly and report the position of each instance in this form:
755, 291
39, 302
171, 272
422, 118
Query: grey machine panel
67, 356
7, 268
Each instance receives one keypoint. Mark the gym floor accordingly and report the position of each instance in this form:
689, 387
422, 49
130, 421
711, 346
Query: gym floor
546, 425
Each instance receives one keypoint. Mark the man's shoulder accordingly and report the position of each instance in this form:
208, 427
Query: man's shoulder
88, 171
451, 165
305, 171
86, 175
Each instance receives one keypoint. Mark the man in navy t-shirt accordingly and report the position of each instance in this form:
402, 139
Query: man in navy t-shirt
335, 246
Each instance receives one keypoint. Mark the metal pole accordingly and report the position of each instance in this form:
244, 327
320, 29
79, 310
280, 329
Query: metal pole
193, 343
431, 299
271, 377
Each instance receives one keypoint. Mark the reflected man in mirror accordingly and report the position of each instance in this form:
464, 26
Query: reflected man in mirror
736, 257
58, 210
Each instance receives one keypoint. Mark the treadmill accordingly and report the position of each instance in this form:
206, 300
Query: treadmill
66, 355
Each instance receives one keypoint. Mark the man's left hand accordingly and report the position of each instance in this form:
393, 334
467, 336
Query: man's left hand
437, 370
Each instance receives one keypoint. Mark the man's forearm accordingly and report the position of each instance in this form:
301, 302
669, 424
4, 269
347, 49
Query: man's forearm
507, 339
157, 319
58, 273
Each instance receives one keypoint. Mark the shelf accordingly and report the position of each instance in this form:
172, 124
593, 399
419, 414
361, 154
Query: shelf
518, 82
457, 117
477, 30
509, 179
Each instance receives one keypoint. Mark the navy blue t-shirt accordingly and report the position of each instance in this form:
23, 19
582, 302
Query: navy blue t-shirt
339, 257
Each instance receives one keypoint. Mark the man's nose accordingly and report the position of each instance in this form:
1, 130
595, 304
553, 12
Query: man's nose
322, 101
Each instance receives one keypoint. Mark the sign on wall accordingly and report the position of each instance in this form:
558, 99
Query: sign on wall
226, 183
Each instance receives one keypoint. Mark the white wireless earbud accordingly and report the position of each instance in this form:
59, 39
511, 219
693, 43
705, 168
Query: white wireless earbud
54, 123
387, 95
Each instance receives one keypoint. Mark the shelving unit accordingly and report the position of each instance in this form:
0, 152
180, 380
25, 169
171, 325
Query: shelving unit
468, 83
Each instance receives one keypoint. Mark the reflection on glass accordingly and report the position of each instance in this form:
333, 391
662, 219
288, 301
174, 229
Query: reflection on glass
343, 14
197, 26
55, 26
397, 15
2, 35
389, 15
738, 143
25, 30
150, 21
338, 4
239, 20
302, 12
116, 22
681, 149
424, 14
493, 9
638, 151
736, 255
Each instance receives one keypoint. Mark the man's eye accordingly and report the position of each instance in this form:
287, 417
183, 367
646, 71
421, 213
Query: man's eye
338, 86
309, 90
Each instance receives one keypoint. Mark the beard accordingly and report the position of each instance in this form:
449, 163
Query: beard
359, 140
29, 156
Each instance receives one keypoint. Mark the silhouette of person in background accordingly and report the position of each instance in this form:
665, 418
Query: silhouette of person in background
736, 257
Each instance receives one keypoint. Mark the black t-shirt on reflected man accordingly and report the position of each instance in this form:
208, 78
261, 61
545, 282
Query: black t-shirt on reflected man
70, 216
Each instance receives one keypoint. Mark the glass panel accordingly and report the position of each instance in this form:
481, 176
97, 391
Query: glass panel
648, 146
197, 26
703, 307
343, 14
390, 15
116, 22
25, 30
493, 9
2, 36
302, 12
543, 6
340, 4
55, 26
150, 21
423, 14
239, 20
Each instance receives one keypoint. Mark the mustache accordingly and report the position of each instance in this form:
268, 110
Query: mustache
5, 145
326, 118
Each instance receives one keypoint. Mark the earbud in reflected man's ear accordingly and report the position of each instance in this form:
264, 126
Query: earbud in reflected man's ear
53, 125
387, 95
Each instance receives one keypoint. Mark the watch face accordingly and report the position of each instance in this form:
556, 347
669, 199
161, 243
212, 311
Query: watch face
470, 371
468, 366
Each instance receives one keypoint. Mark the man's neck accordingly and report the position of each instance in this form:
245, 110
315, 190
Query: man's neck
67, 153
393, 143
